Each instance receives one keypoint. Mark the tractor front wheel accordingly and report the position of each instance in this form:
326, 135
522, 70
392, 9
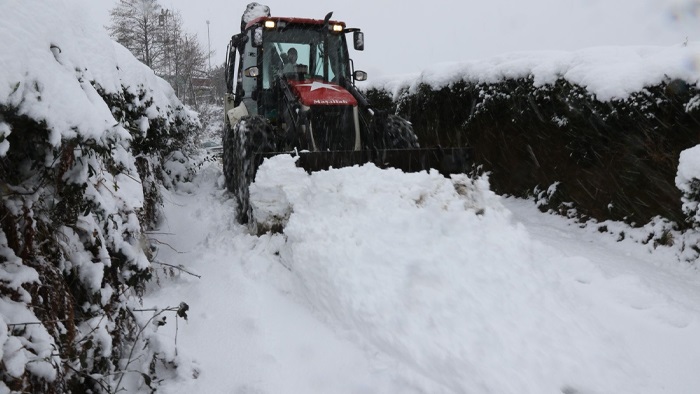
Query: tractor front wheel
249, 138
227, 157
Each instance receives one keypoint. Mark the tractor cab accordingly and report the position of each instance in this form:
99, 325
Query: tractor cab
309, 57
303, 51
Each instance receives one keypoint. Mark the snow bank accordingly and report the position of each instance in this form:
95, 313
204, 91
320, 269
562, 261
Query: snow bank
433, 274
607, 72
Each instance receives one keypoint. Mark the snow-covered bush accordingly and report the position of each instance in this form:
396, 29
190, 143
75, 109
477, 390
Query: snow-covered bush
84, 128
606, 125
181, 166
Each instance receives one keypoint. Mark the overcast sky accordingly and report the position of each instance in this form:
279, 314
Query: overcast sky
408, 36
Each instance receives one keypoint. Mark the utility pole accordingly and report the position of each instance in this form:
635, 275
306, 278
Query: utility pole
163, 21
209, 46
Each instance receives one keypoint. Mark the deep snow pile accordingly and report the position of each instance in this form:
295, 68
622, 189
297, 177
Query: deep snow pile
385, 282
433, 272
84, 128
606, 72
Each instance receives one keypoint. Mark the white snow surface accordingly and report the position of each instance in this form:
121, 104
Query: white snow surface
688, 166
385, 282
689, 173
254, 10
607, 72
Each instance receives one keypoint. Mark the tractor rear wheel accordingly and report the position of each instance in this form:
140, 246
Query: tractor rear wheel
250, 137
227, 142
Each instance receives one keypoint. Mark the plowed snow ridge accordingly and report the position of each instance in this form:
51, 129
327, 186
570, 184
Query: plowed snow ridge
386, 282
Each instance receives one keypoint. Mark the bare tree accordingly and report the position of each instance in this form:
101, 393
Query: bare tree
218, 77
137, 24
193, 64
184, 59
156, 36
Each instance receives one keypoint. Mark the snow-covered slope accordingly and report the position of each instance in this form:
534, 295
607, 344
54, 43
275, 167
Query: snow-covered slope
385, 282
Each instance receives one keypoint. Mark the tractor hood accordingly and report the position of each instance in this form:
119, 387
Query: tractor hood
315, 92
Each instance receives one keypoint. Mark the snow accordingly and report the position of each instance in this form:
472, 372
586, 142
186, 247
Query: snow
606, 72
14, 358
12, 273
16, 352
693, 104
689, 166
687, 179
387, 282
131, 191
382, 282
253, 10
5, 131
33, 350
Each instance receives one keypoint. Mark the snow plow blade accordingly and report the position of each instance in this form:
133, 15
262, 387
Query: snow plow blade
445, 160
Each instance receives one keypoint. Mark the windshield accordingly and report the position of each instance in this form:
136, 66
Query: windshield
324, 55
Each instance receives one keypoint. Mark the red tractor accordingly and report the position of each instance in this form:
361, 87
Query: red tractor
291, 89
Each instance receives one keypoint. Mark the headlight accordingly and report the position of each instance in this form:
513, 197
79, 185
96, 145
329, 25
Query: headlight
269, 24
337, 28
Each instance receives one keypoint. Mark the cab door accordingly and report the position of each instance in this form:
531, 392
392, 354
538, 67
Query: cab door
248, 75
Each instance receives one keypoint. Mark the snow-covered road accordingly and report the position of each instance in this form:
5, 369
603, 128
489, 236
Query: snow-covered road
387, 282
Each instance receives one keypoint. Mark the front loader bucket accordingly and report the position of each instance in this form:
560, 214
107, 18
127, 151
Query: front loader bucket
446, 160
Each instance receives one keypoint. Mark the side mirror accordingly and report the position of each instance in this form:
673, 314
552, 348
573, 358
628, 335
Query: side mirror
258, 37
360, 76
358, 39
239, 40
252, 72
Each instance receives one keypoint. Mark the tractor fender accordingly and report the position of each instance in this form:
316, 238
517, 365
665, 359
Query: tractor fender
236, 113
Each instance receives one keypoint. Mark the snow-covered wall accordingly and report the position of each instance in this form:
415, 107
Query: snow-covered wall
84, 130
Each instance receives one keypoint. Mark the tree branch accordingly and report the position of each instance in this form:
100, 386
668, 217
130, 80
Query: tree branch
179, 268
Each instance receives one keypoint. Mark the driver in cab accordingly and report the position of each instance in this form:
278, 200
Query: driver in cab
291, 63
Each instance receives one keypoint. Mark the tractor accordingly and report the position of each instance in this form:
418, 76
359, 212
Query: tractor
291, 88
